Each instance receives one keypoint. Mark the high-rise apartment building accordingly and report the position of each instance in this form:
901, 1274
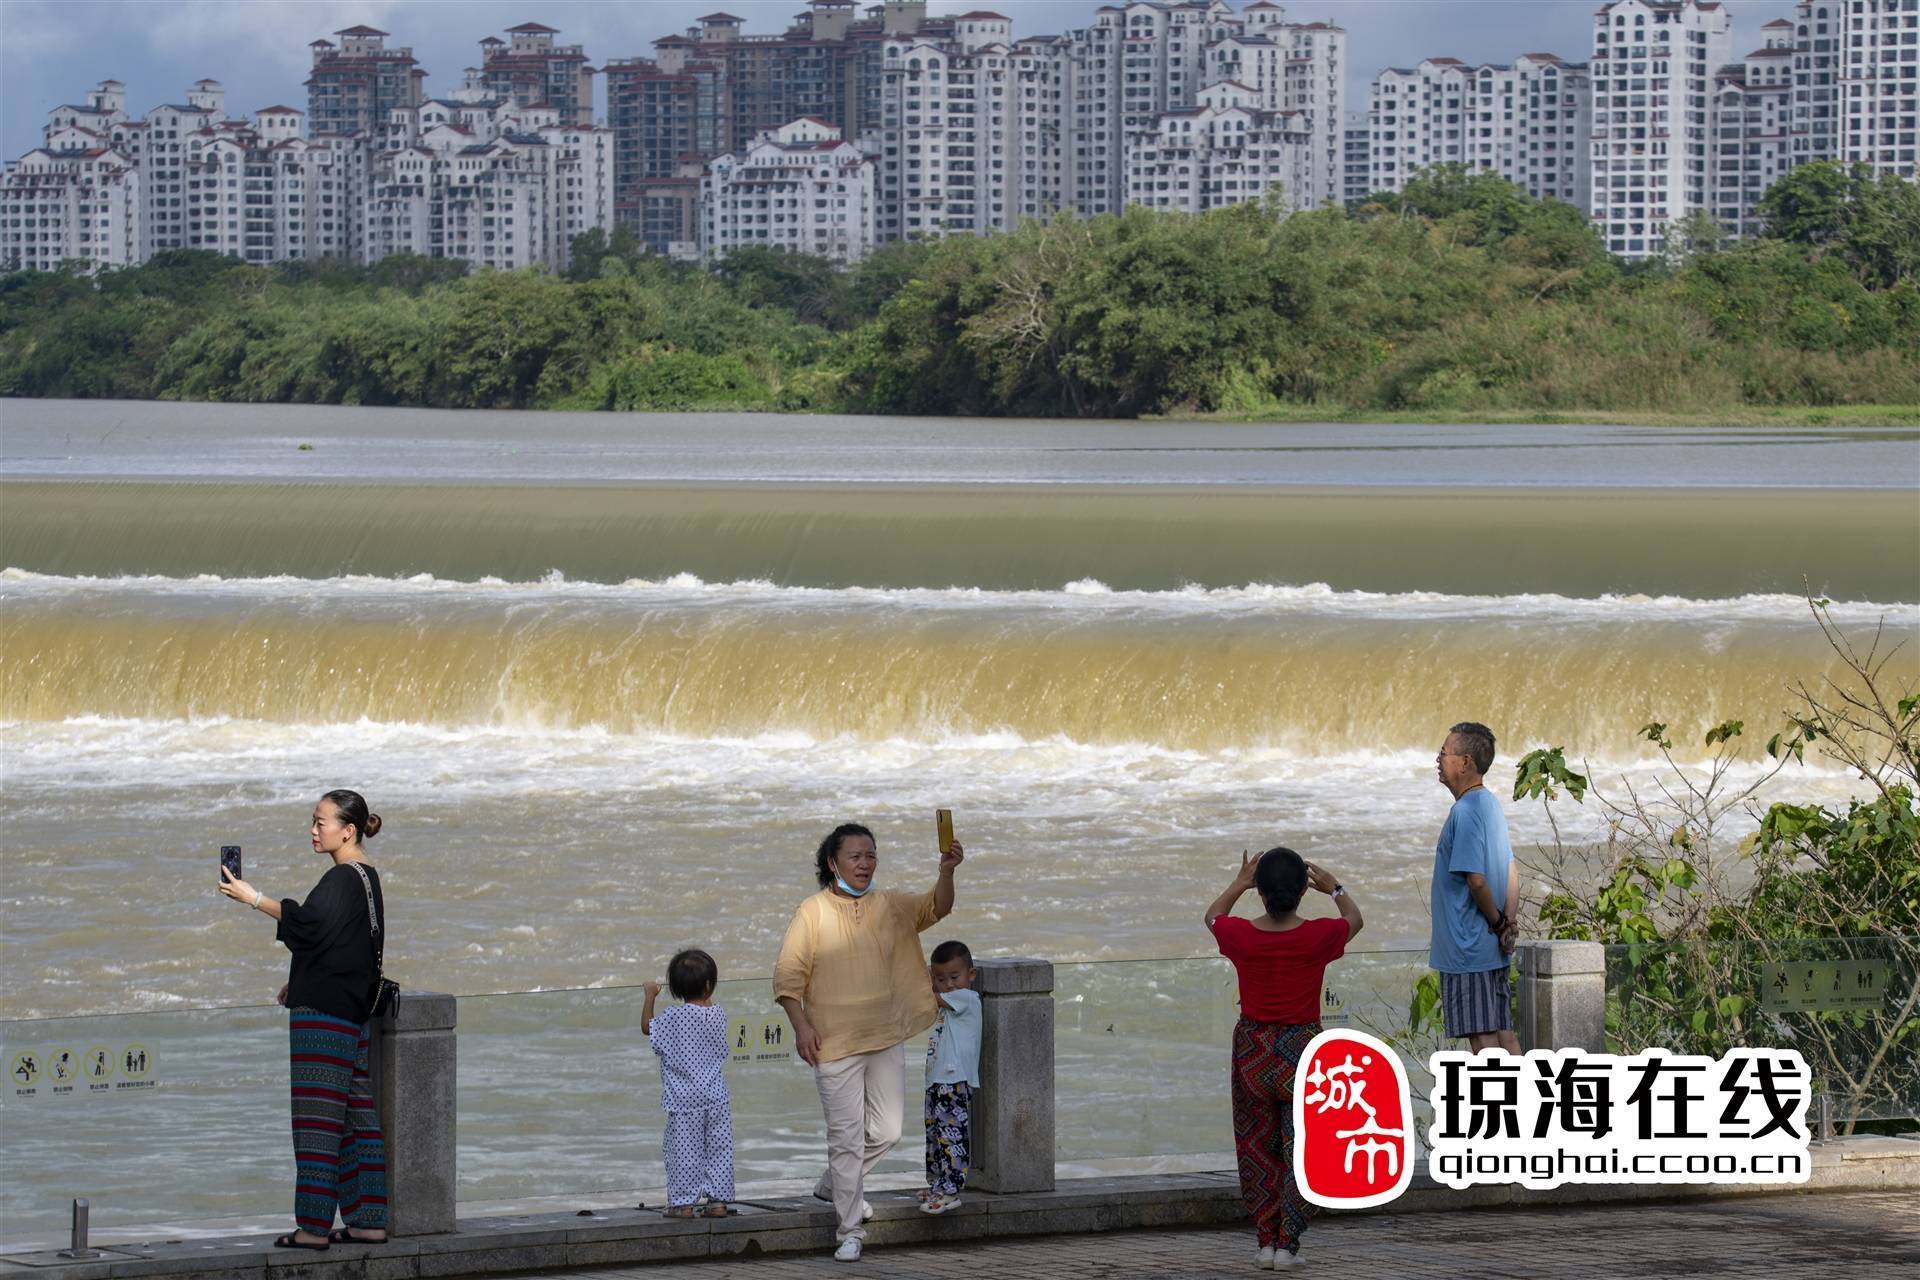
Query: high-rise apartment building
1817, 44
1228, 150
801, 187
261, 192
1652, 149
356, 85
1752, 129
945, 121
69, 203
488, 180
1880, 83
530, 70
1527, 121
1356, 182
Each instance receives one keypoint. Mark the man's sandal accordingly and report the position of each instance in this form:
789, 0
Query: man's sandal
344, 1235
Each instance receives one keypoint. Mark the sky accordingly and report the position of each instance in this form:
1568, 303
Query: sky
54, 51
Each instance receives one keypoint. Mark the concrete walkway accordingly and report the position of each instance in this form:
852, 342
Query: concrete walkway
1864, 1234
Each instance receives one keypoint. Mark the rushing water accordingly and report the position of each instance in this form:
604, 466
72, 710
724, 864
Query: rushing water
609, 679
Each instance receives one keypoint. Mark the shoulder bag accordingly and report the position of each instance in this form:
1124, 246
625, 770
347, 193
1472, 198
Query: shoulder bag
384, 997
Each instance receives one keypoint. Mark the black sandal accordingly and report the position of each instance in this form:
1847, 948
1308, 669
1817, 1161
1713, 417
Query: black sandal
344, 1235
290, 1241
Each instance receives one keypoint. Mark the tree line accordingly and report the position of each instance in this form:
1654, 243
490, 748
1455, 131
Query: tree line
1458, 294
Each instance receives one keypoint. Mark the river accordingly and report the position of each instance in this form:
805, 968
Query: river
608, 678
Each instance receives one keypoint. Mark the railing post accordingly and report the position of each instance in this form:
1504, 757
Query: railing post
1563, 996
1013, 1127
415, 1084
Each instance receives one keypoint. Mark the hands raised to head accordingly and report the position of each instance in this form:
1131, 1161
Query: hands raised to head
1320, 878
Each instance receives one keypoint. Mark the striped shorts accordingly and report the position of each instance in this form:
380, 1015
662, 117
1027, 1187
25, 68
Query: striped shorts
1476, 1004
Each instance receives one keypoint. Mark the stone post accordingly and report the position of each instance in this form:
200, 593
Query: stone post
1013, 1133
414, 1083
1563, 996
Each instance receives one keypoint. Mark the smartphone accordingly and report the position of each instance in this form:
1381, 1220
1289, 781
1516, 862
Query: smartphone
230, 859
943, 822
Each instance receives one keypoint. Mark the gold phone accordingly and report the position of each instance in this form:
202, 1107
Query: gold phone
943, 821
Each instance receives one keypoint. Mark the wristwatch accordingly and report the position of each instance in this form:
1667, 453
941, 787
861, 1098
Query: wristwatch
1339, 890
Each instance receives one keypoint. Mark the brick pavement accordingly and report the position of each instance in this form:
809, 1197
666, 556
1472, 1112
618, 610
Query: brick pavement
1865, 1234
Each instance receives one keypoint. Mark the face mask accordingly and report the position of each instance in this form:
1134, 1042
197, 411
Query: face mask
850, 891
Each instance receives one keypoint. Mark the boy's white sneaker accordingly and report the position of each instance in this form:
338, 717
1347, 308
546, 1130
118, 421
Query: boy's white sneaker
940, 1204
1264, 1259
849, 1250
1284, 1258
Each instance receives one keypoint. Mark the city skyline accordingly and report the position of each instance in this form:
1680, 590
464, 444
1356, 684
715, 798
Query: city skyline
258, 48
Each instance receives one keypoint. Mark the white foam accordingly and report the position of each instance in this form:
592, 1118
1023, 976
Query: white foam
1081, 595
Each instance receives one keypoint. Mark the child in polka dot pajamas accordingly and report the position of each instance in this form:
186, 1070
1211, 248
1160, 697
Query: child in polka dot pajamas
691, 1040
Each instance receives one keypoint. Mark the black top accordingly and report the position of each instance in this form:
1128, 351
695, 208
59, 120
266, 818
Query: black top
331, 938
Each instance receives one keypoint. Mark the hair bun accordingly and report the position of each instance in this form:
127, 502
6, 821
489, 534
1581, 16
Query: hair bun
373, 827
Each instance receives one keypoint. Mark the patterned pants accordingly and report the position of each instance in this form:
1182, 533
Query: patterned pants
339, 1153
1266, 1055
949, 1117
699, 1152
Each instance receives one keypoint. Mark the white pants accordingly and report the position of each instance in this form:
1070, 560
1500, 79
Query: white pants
863, 1097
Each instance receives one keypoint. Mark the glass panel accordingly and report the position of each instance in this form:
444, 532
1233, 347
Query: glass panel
1851, 1006
1142, 1049
118, 1107
560, 1095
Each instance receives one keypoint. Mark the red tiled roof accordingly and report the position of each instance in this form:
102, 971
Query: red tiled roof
281, 110
982, 15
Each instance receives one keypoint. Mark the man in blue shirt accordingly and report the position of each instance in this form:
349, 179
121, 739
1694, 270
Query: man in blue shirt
1476, 898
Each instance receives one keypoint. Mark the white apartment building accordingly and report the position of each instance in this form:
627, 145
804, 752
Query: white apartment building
486, 180
1527, 122
1880, 84
945, 123
801, 187
1652, 149
265, 193
1752, 129
1226, 151
76, 203
1037, 107
1817, 46
1298, 68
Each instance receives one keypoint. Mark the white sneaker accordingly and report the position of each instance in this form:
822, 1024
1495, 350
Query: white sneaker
1264, 1259
849, 1250
1283, 1258
940, 1204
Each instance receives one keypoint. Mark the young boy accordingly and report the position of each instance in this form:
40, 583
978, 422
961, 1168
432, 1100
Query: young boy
691, 1039
953, 1073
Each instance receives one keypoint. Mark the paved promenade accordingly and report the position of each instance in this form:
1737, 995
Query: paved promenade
1861, 1234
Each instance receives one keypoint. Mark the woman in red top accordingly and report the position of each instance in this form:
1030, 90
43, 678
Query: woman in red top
1280, 960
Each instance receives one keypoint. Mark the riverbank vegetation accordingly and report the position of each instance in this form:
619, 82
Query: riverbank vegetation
1458, 297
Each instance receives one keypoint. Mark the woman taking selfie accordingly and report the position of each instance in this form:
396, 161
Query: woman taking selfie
339, 1152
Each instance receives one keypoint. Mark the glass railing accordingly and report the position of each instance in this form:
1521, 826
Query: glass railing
151, 1116
1851, 1006
559, 1092
1142, 1049
560, 1095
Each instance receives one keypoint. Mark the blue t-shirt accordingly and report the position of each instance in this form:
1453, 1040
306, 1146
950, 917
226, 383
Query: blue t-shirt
953, 1050
1473, 839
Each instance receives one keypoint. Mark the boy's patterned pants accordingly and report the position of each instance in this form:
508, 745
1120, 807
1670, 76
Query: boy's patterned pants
949, 1117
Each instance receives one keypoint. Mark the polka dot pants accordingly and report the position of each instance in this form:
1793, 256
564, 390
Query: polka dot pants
699, 1151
